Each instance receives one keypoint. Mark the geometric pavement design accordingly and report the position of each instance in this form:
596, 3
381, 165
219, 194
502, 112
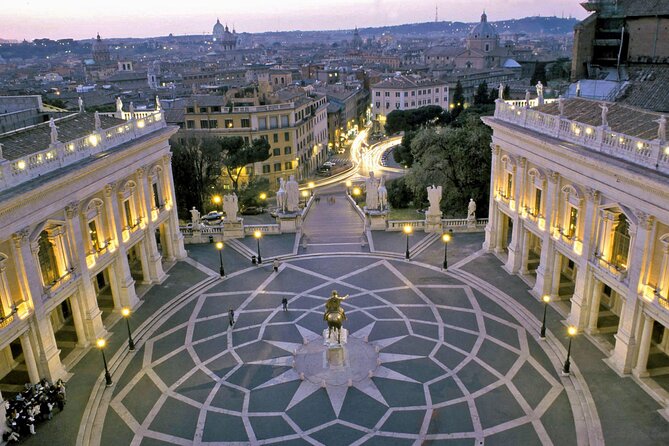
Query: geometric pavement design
452, 365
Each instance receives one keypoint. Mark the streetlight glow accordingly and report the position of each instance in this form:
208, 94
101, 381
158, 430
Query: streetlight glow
407, 229
571, 331
356, 191
263, 196
101, 343
216, 199
219, 245
546, 298
446, 238
256, 234
125, 311
311, 184
349, 183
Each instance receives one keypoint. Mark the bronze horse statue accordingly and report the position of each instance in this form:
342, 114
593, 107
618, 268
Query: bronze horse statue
334, 314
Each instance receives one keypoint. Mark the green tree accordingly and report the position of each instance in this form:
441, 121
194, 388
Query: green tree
250, 194
235, 154
197, 170
482, 97
539, 74
458, 100
407, 120
399, 194
402, 153
458, 158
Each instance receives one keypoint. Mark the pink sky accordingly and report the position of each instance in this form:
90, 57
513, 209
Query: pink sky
123, 18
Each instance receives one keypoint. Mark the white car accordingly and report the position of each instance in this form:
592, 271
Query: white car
330, 163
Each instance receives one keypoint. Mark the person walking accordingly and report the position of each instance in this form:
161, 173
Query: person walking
275, 265
284, 302
231, 316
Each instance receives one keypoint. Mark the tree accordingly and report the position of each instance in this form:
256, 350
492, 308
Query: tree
235, 154
407, 120
402, 153
399, 195
539, 74
250, 194
458, 100
481, 97
196, 169
458, 158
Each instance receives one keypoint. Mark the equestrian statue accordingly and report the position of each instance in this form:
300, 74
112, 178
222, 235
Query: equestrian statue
334, 314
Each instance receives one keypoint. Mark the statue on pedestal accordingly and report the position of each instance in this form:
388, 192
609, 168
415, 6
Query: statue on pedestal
662, 128
383, 195
98, 123
471, 210
54, 131
540, 92
281, 196
81, 104
119, 105
195, 218
334, 314
500, 92
578, 89
132, 111
605, 111
434, 197
292, 195
561, 105
230, 207
372, 192
527, 98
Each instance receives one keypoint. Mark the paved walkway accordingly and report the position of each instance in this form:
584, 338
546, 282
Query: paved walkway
332, 221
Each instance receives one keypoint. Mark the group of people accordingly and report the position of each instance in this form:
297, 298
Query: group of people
36, 403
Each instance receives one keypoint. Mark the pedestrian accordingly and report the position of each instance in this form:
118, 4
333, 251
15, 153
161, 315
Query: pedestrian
231, 316
275, 265
254, 260
284, 302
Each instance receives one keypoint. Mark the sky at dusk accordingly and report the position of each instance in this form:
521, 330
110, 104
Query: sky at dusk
82, 19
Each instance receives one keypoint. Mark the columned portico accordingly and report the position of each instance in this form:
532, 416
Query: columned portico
155, 267
547, 257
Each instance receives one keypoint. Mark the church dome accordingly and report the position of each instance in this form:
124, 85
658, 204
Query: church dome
99, 45
483, 30
219, 29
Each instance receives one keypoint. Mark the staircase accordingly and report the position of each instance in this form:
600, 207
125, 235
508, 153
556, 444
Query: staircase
332, 224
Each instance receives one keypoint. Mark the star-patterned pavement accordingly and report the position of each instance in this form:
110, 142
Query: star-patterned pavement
428, 359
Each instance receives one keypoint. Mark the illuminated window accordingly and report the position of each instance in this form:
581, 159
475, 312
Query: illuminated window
47, 260
621, 243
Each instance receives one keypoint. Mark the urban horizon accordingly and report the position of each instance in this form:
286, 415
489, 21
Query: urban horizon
24, 24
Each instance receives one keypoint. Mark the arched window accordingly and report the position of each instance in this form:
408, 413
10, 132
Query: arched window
621, 243
47, 259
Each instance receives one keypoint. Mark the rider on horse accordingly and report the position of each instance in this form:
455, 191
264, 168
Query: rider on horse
334, 313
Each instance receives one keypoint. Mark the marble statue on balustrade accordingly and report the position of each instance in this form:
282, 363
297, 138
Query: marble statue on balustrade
560, 102
158, 104
500, 92
471, 213
230, 207
433, 214
605, 113
98, 123
383, 195
54, 131
578, 89
281, 196
119, 105
80, 102
131, 110
527, 98
540, 93
662, 128
372, 193
195, 218
292, 195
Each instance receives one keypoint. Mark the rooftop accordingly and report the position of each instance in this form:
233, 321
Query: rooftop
406, 82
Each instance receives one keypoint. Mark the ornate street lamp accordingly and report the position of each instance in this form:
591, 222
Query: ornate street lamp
219, 246
125, 311
446, 238
407, 230
304, 194
571, 331
217, 200
258, 235
101, 344
311, 186
546, 299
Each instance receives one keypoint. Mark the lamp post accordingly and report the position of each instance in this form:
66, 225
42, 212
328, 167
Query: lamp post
304, 194
546, 298
101, 343
349, 183
311, 186
571, 331
219, 246
125, 311
216, 199
258, 235
407, 230
446, 238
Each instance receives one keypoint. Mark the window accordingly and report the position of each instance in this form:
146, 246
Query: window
387, 104
537, 201
213, 124
509, 185
397, 94
204, 124
156, 195
246, 140
288, 165
387, 94
190, 124
436, 90
249, 170
262, 123
246, 123
276, 151
406, 104
275, 137
47, 260
229, 124
378, 105
277, 167
203, 109
273, 122
397, 105
216, 108
284, 121
287, 150
265, 137
128, 214
265, 168
378, 94
413, 93
413, 103
286, 136
573, 221
190, 110
621, 243
93, 234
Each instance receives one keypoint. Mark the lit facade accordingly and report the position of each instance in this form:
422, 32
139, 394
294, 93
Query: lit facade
407, 93
579, 208
82, 222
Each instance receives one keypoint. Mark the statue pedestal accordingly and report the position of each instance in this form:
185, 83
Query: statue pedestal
335, 356
289, 222
433, 222
233, 229
331, 342
376, 220
471, 223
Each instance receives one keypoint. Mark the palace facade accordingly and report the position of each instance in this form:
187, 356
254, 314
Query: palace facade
87, 215
579, 208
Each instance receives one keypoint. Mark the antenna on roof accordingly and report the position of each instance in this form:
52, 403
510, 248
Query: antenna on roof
436, 13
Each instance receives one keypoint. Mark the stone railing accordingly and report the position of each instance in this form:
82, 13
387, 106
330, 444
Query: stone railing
522, 103
265, 229
456, 224
398, 225
56, 156
613, 271
127, 116
653, 154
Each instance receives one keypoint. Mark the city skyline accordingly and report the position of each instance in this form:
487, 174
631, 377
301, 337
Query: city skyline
44, 19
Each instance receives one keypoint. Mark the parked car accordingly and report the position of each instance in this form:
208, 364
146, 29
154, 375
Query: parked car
212, 217
252, 210
330, 163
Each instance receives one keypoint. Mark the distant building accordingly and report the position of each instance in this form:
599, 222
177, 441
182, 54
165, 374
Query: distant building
407, 93
101, 54
222, 36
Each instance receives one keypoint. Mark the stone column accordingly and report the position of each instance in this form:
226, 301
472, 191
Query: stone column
580, 306
545, 268
624, 350
644, 348
595, 300
514, 260
175, 235
123, 287
29, 358
86, 295
525, 250
156, 273
5, 296
556, 276
490, 242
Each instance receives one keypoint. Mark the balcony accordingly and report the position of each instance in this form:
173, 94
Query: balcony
93, 255
55, 287
612, 270
128, 231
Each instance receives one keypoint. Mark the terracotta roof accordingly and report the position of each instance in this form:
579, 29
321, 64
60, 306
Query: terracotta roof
37, 138
647, 88
406, 82
631, 121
